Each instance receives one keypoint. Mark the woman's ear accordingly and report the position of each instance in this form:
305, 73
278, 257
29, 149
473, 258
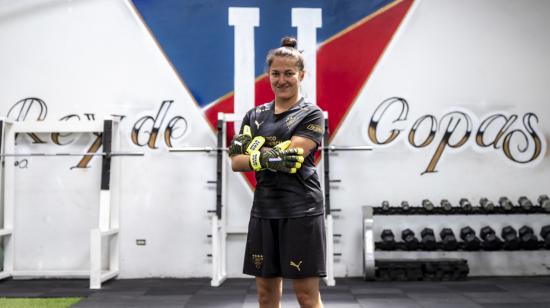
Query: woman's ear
302, 74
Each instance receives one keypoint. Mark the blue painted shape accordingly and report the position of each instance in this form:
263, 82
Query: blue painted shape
196, 36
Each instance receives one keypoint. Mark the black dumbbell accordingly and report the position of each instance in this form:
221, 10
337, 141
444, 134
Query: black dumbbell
411, 242
428, 239
510, 238
545, 235
388, 240
448, 239
544, 202
525, 203
385, 206
528, 239
465, 205
505, 204
487, 205
469, 238
446, 205
405, 206
427, 205
490, 239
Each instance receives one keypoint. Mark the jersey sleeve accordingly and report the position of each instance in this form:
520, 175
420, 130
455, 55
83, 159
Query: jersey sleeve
312, 126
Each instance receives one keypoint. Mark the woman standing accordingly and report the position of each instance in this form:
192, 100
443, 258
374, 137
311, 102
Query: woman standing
286, 233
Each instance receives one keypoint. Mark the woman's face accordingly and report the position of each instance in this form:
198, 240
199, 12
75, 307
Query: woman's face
285, 78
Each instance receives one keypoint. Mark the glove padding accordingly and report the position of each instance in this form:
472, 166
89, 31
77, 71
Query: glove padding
280, 158
244, 144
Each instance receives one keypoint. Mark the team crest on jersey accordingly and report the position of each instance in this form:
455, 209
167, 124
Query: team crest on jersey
258, 260
291, 119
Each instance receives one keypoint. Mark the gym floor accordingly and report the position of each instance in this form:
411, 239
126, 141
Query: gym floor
521, 292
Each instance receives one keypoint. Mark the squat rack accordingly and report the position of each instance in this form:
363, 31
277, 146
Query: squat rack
108, 224
219, 226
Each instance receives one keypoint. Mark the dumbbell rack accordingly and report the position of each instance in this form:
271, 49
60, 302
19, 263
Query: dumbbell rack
369, 245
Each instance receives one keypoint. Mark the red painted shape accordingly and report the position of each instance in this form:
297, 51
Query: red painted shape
344, 64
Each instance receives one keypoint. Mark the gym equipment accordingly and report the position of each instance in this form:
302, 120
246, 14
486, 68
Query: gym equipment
428, 239
544, 202
525, 203
388, 240
490, 240
465, 205
108, 224
219, 225
487, 205
510, 238
448, 239
470, 241
427, 205
409, 240
405, 206
527, 238
506, 204
446, 205
385, 206
421, 269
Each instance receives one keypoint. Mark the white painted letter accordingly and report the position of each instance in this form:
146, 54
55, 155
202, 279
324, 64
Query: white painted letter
307, 21
244, 20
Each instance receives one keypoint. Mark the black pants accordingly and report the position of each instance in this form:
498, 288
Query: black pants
288, 247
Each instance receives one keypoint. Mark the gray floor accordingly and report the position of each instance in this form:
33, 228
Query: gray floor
521, 292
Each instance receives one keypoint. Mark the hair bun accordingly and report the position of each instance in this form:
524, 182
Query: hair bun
289, 42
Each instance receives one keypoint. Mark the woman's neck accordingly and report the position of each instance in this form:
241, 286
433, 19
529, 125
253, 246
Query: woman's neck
283, 105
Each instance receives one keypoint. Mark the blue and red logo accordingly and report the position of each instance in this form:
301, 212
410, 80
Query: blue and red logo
198, 40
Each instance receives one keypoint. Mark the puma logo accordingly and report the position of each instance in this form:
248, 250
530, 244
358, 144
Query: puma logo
297, 266
258, 124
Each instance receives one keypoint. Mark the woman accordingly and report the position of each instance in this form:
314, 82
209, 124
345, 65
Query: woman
286, 233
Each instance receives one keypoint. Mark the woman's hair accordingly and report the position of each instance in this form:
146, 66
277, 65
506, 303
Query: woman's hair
287, 49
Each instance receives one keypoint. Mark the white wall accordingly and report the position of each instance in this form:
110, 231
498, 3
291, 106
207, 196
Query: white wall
482, 57
97, 57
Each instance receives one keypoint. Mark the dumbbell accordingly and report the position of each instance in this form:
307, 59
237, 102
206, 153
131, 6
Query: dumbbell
471, 241
405, 206
505, 204
487, 205
427, 205
525, 203
465, 204
510, 238
528, 239
385, 206
446, 205
490, 239
411, 242
388, 240
544, 202
428, 239
448, 239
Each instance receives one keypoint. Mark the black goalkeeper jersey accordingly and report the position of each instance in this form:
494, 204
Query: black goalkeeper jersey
280, 194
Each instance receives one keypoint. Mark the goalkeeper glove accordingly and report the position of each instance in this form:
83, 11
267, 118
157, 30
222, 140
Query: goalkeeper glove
244, 144
279, 158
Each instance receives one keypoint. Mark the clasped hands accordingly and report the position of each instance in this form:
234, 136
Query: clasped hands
279, 158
